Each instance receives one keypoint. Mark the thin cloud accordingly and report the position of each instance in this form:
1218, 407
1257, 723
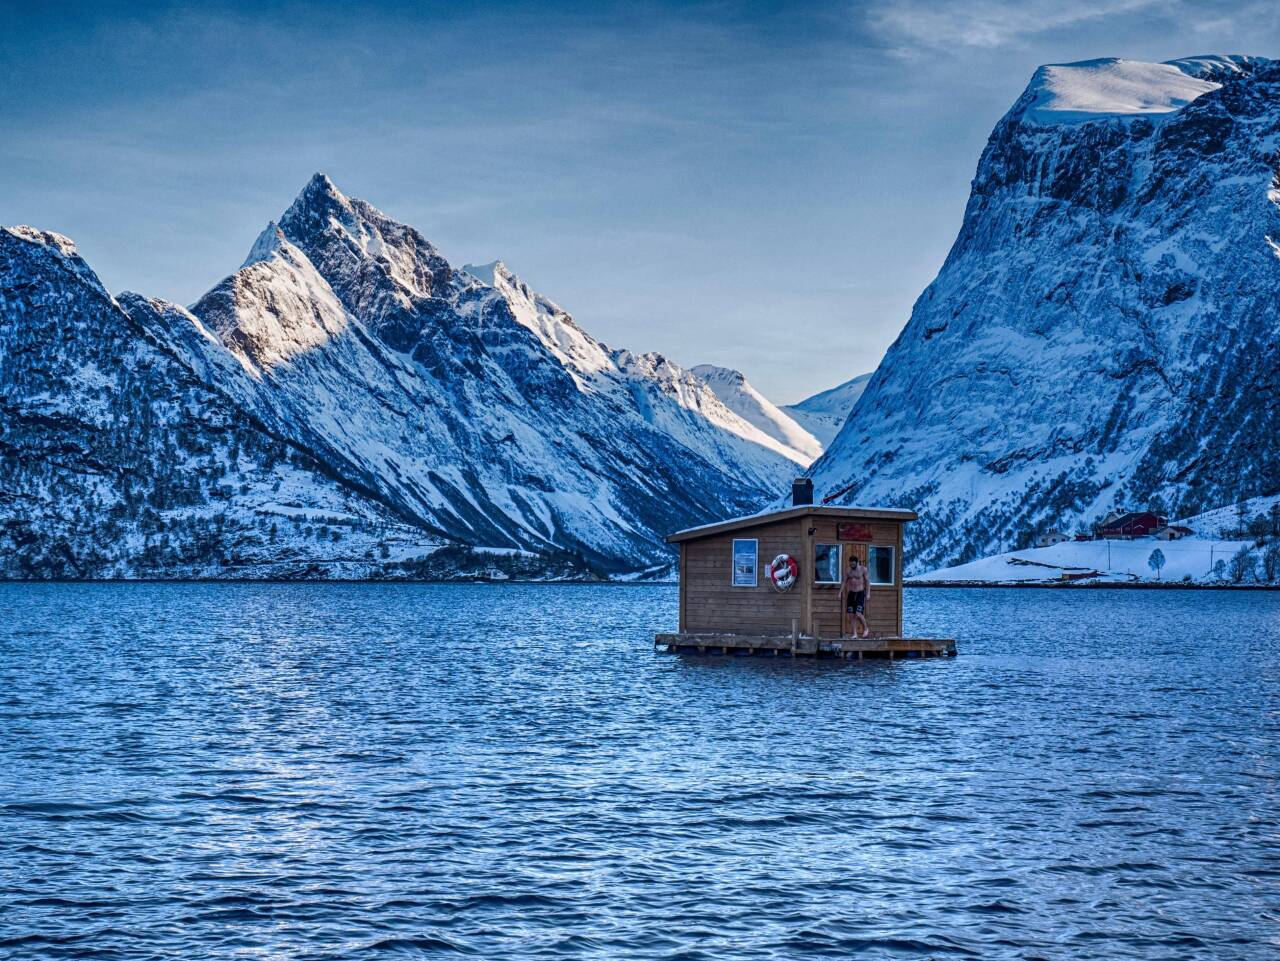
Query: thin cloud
913, 25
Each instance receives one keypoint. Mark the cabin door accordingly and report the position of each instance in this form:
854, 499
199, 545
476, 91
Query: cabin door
860, 552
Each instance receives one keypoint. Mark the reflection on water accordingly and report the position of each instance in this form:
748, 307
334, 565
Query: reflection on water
331, 771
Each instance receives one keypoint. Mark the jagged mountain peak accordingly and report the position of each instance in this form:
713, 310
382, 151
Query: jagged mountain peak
320, 197
377, 265
60, 243
266, 245
490, 274
471, 408
500, 277
710, 372
321, 183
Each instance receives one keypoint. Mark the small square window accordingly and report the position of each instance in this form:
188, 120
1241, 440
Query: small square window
826, 563
880, 565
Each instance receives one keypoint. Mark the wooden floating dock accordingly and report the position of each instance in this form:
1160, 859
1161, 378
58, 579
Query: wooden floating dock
758, 645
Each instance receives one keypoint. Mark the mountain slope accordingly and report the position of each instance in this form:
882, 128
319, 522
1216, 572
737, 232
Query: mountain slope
739, 396
1104, 329
824, 413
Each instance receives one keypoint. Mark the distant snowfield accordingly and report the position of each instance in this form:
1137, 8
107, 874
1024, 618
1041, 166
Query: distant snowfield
736, 393
823, 414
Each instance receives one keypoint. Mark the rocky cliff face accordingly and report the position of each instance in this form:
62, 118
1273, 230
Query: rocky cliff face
1104, 330
346, 386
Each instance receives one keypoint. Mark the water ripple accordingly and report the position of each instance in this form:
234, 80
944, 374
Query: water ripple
407, 771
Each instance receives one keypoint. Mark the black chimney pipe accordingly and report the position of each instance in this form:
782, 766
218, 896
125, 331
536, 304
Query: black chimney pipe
801, 492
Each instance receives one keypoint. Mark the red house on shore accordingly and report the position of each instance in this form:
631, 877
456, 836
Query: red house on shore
1131, 524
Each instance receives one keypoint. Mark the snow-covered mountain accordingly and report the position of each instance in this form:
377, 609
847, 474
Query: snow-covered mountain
1104, 330
823, 414
459, 408
120, 459
744, 400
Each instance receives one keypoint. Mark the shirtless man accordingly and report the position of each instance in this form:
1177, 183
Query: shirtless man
856, 585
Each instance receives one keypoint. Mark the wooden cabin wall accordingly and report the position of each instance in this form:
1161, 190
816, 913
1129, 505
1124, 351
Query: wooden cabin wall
884, 604
709, 601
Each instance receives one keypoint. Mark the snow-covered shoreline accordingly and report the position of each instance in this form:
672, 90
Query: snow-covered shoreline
1095, 585
1190, 562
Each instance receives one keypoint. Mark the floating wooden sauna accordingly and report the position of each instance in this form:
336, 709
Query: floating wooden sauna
730, 603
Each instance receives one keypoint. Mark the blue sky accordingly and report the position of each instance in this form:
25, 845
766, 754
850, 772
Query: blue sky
763, 186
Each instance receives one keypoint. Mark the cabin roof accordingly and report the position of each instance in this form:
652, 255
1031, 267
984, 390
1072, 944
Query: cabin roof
769, 517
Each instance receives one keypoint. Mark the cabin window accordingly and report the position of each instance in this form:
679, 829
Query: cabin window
826, 563
745, 553
880, 565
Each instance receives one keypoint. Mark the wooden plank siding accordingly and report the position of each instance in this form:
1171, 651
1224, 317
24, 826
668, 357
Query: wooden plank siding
710, 602
884, 610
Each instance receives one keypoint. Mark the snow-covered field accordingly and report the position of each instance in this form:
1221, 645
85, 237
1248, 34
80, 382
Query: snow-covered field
1190, 559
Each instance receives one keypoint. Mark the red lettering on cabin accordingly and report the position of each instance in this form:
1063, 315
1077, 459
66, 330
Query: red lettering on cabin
853, 532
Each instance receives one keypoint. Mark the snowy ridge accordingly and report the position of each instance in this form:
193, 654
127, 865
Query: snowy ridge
1078, 92
576, 350
650, 381
681, 403
62, 248
284, 308
737, 394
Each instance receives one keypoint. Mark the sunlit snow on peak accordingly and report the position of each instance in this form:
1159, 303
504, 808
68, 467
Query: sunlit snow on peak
736, 393
265, 246
1090, 89
486, 273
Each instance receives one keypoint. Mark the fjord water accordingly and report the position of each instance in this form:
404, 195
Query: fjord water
342, 771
